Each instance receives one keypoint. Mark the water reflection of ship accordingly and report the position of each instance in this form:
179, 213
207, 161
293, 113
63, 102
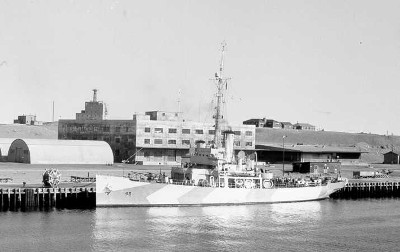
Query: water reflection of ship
295, 213
213, 176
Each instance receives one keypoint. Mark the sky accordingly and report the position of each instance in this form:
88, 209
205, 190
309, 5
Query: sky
333, 64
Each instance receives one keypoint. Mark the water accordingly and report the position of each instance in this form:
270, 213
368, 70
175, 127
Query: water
329, 225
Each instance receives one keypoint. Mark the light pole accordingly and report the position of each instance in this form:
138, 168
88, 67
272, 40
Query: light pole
283, 155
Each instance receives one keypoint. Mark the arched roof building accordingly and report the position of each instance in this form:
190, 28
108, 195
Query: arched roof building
53, 151
5, 144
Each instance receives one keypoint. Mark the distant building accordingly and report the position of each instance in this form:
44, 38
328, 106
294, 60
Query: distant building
391, 157
304, 126
266, 123
28, 120
259, 123
286, 125
270, 123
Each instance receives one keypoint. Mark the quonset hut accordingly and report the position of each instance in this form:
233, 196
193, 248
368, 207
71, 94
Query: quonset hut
53, 151
5, 144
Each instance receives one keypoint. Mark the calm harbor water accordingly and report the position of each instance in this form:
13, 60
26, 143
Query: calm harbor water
329, 225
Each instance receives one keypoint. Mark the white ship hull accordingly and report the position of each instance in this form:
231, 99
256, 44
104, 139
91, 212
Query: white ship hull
120, 191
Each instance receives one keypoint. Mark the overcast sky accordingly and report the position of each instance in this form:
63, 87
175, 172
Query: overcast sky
334, 64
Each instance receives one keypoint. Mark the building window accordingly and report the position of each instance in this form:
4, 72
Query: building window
106, 129
117, 129
185, 131
172, 141
147, 129
158, 130
117, 140
249, 133
117, 152
146, 154
199, 131
146, 141
237, 133
171, 130
185, 142
249, 144
236, 143
126, 129
211, 132
157, 141
157, 153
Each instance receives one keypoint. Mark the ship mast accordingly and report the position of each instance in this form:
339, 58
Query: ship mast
222, 84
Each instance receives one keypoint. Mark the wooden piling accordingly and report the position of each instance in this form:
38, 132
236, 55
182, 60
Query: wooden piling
1, 200
374, 189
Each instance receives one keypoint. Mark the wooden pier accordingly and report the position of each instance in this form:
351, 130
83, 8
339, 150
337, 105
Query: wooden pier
15, 199
355, 190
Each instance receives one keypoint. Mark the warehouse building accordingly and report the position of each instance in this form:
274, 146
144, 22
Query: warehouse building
152, 138
53, 151
391, 157
166, 141
155, 137
290, 153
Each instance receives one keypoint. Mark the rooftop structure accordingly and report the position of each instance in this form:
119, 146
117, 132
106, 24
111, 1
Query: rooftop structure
94, 110
164, 116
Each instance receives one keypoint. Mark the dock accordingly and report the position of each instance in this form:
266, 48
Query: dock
368, 189
27, 199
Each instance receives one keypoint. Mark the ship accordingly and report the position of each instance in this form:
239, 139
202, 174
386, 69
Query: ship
215, 175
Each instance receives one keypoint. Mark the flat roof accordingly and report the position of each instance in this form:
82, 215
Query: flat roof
308, 148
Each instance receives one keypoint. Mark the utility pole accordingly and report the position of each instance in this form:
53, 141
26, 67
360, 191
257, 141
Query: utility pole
179, 100
283, 155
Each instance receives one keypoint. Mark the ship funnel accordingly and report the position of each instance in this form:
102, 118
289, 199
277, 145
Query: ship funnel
228, 140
